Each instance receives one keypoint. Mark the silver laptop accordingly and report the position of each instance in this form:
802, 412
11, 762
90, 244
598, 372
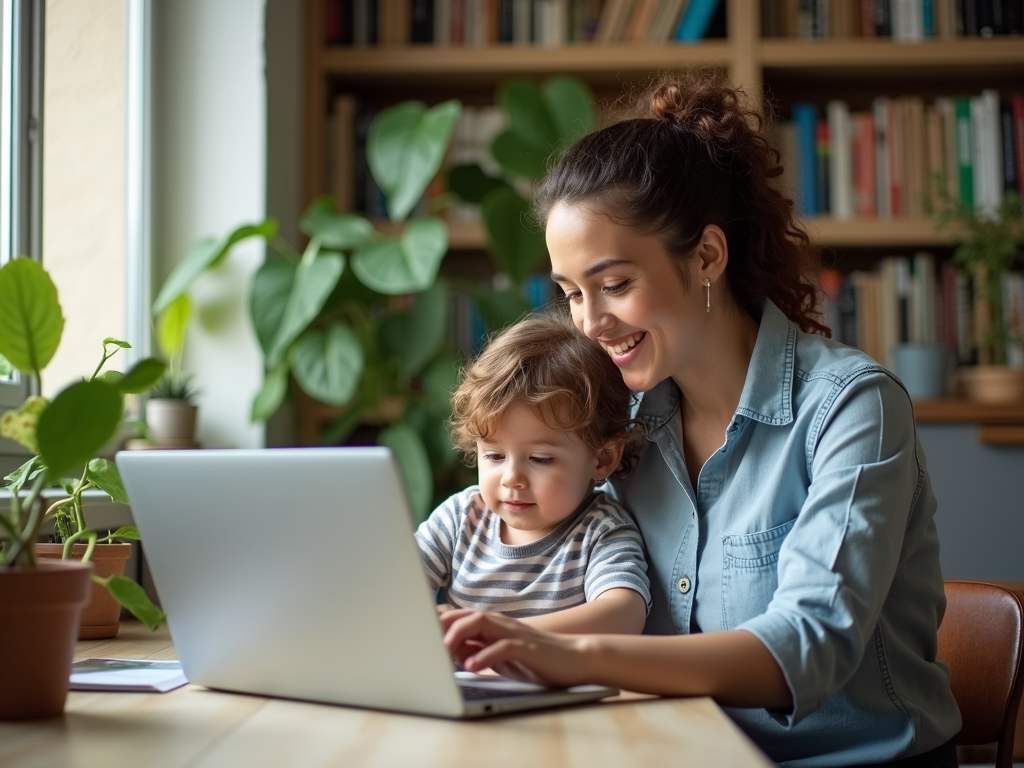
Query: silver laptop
294, 573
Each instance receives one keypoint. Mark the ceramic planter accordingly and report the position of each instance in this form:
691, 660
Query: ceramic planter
101, 618
992, 384
39, 613
171, 423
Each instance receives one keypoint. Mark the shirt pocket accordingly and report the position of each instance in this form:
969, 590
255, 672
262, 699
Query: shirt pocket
750, 573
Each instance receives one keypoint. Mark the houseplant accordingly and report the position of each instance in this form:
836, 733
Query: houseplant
337, 318
40, 602
988, 248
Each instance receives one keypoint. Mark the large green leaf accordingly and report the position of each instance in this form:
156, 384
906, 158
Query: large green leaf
78, 422
408, 264
268, 399
471, 183
31, 322
527, 112
570, 103
405, 146
500, 309
143, 375
414, 337
327, 365
5, 366
207, 253
517, 244
335, 230
134, 598
414, 463
170, 328
104, 475
518, 156
315, 278
26, 473
271, 287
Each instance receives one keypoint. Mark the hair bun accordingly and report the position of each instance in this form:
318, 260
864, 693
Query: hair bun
667, 101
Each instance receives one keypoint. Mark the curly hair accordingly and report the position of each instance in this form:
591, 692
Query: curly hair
566, 379
698, 156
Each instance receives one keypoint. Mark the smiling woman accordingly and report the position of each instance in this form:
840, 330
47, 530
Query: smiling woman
786, 513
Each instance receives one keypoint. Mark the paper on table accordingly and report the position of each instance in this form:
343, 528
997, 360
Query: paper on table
141, 675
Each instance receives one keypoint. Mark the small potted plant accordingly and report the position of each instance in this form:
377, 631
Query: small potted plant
988, 248
41, 600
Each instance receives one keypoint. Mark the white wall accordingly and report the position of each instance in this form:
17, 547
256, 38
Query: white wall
209, 150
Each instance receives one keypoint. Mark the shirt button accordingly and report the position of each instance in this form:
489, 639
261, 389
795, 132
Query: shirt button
684, 585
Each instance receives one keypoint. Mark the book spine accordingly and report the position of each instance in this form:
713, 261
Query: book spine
1015, 17
422, 29
969, 15
805, 121
864, 165
848, 313
986, 20
897, 182
883, 18
881, 117
695, 22
1010, 159
928, 19
840, 159
1018, 138
965, 150
822, 161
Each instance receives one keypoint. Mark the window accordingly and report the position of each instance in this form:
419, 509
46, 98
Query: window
21, 25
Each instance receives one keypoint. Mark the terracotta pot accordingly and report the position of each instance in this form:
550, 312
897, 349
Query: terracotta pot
39, 611
992, 383
171, 421
102, 616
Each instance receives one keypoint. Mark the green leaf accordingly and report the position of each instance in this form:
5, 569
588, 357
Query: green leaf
127, 532
414, 463
31, 322
570, 103
20, 424
518, 156
327, 365
500, 309
26, 473
335, 230
69, 484
405, 146
6, 369
170, 327
78, 422
470, 182
134, 598
116, 343
104, 475
406, 265
110, 377
440, 380
271, 287
413, 337
528, 115
315, 278
518, 245
268, 399
207, 253
142, 376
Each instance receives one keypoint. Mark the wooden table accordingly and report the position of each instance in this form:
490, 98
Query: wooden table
197, 727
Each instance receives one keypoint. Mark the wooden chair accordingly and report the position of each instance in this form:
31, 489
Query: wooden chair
982, 640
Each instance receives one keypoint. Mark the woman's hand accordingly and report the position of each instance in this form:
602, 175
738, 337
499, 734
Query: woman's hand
511, 648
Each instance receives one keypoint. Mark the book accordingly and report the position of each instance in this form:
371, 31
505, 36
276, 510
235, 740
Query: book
964, 149
841, 160
806, 122
865, 202
883, 202
695, 21
126, 675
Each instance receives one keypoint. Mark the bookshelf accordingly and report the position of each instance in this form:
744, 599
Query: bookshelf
787, 70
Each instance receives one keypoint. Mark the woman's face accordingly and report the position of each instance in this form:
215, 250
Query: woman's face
625, 291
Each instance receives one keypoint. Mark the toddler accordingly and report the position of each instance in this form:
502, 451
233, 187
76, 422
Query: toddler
544, 414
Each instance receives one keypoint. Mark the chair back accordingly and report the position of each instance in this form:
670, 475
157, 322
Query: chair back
981, 640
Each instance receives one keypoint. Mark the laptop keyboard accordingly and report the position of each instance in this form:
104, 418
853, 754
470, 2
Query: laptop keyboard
476, 693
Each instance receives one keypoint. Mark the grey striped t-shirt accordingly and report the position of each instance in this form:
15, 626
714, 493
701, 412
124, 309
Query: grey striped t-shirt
596, 548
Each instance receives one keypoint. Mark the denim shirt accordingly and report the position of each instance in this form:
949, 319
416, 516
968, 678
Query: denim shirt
812, 528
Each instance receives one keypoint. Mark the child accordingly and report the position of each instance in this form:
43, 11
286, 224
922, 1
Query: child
545, 415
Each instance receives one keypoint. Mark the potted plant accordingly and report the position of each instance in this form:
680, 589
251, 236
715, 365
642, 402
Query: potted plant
988, 248
41, 600
358, 319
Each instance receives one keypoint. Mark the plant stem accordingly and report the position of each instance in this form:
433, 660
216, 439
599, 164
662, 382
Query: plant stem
20, 547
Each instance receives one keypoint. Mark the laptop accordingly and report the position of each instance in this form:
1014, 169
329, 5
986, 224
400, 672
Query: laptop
294, 573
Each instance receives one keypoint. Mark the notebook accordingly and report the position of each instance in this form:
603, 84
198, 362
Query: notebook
294, 573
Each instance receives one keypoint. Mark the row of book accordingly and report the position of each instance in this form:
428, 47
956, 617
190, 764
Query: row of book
477, 23
912, 300
901, 20
886, 162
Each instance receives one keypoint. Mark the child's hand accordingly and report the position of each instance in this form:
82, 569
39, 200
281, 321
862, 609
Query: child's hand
444, 608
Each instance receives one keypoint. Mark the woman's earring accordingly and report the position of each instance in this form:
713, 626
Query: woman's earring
707, 295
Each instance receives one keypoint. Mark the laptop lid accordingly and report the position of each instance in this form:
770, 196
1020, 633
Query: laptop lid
294, 573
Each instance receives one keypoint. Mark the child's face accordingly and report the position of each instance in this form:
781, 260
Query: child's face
533, 476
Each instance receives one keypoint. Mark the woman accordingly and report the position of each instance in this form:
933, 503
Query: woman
782, 495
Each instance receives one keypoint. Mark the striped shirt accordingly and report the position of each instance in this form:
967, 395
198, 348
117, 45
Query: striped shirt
595, 549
